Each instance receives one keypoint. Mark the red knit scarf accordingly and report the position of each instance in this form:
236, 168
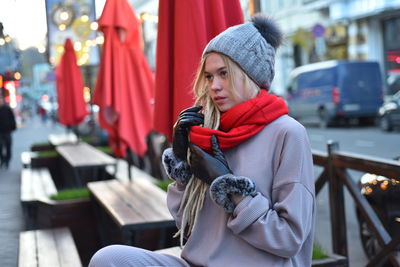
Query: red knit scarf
241, 122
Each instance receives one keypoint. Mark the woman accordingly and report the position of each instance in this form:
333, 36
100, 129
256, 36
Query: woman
244, 188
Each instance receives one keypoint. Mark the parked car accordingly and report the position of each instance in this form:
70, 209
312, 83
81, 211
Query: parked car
393, 82
329, 91
389, 113
383, 194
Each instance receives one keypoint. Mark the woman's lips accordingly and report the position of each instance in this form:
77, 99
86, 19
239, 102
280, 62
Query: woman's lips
219, 100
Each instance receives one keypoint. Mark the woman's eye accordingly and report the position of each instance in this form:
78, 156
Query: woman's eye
223, 73
208, 77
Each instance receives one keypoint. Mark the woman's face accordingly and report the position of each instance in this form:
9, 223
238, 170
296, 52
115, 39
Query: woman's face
218, 85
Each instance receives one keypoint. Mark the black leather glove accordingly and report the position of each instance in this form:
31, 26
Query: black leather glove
188, 117
206, 167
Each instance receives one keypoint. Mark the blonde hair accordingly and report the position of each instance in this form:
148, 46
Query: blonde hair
193, 197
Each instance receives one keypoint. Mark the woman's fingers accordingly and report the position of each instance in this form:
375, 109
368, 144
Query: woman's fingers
191, 109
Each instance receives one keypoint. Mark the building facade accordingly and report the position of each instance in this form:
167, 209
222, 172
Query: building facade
9, 68
319, 30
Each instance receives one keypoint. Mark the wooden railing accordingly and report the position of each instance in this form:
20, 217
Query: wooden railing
335, 173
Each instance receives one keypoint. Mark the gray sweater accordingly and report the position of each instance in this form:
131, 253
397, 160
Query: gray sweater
273, 228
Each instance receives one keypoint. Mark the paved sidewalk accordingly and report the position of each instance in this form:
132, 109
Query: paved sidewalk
11, 221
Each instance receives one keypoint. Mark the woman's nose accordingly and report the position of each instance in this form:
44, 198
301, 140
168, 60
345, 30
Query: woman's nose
216, 84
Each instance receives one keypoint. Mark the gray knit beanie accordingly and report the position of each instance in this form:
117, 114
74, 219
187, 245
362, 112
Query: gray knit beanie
252, 46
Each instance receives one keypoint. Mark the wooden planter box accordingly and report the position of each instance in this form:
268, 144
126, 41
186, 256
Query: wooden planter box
78, 216
40, 162
42, 147
53, 164
333, 260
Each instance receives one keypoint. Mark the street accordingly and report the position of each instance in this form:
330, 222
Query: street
369, 140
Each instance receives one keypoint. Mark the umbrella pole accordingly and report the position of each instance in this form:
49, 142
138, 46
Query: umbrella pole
129, 160
71, 129
76, 132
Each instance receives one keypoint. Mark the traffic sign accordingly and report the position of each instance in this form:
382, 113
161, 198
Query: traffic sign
318, 30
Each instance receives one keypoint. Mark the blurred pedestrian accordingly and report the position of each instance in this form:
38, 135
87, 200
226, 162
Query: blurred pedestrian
43, 114
244, 188
7, 126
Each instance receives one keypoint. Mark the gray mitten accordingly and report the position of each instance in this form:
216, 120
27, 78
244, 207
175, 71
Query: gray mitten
227, 185
176, 169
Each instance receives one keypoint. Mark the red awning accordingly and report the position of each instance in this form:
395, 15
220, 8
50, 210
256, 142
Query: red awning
184, 29
125, 83
71, 104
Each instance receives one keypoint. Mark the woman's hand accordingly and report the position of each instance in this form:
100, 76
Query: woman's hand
187, 118
206, 167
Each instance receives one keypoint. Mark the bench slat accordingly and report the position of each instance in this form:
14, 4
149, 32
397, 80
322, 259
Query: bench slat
48, 248
145, 198
153, 199
62, 139
36, 184
27, 255
47, 182
84, 155
26, 185
136, 203
137, 200
118, 209
64, 240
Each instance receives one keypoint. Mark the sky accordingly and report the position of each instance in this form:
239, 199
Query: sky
25, 21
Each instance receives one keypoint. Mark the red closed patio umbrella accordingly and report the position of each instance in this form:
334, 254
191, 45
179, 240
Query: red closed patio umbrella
125, 84
71, 104
184, 29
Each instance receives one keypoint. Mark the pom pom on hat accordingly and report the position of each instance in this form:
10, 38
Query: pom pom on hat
268, 29
252, 46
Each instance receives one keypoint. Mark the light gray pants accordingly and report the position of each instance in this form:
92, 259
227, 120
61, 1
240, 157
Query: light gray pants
124, 256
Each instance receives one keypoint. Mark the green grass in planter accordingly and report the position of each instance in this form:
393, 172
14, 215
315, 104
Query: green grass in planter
87, 138
47, 153
164, 184
68, 194
318, 252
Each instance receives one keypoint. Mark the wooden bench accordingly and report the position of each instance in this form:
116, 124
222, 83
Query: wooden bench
62, 139
133, 207
36, 185
85, 161
48, 248
26, 159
